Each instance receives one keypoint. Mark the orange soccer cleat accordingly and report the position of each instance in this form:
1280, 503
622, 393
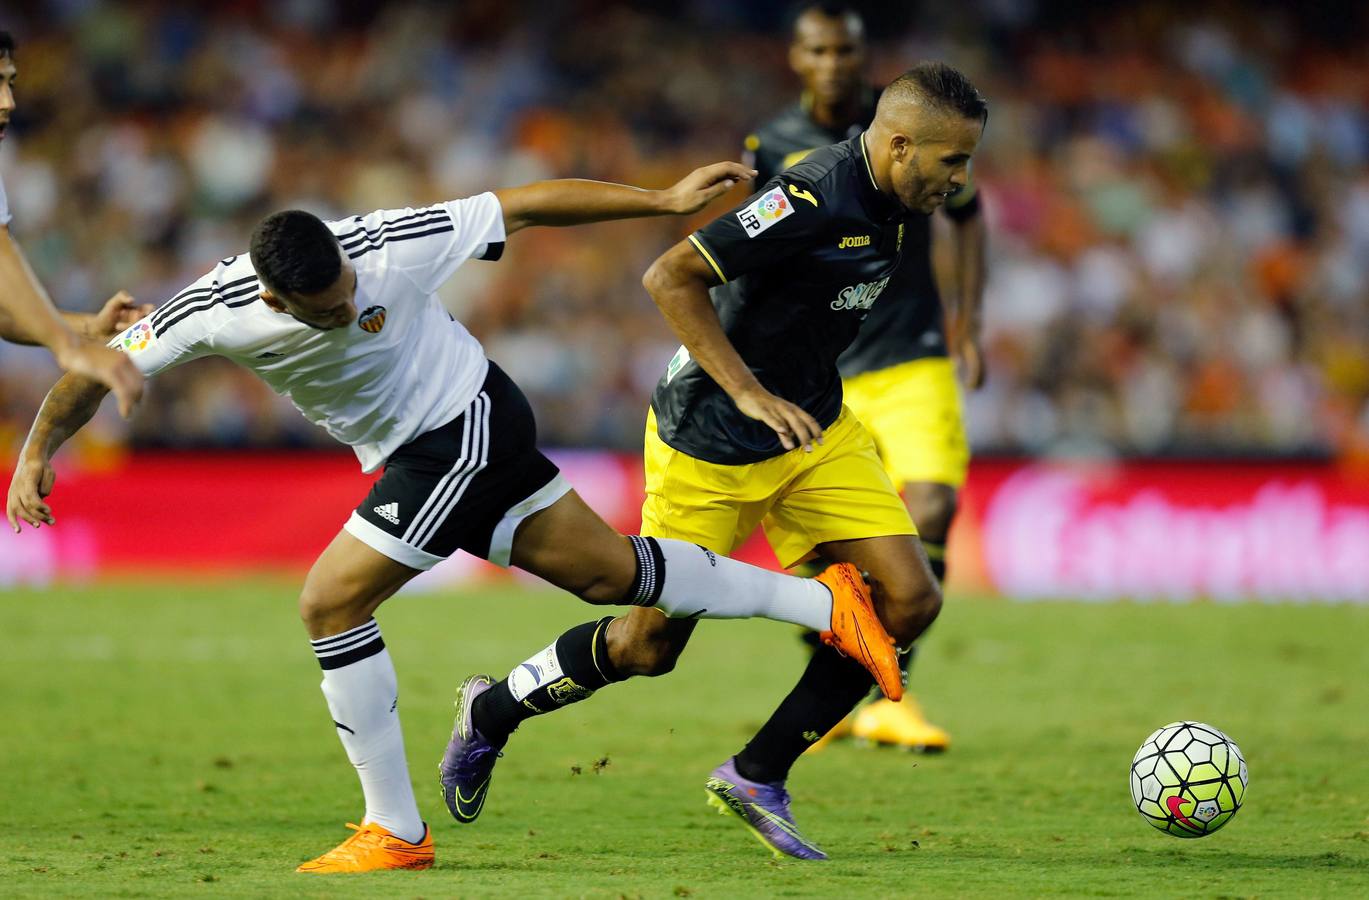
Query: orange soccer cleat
856, 630
371, 849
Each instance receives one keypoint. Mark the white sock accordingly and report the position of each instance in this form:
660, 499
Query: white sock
362, 691
684, 580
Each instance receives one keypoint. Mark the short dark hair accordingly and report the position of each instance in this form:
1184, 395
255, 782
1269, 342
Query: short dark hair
943, 87
831, 9
295, 253
6, 44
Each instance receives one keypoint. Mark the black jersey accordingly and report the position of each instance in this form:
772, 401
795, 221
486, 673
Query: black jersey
793, 134
909, 324
802, 263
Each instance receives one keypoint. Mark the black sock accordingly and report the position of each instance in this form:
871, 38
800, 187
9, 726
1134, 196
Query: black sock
936, 555
905, 661
570, 670
830, 688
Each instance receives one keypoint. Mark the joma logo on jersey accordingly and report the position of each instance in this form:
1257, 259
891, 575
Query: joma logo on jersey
860, 296
372, 319
855, 240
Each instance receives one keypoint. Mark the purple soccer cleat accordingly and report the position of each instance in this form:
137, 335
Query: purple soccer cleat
763, 809
468, 764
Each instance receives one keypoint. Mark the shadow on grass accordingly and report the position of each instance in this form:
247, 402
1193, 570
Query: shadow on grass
1227, 860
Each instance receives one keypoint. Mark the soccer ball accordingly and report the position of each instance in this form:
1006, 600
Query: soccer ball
1188, 779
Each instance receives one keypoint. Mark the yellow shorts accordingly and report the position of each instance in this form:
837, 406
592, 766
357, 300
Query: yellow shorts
839, 492
914, 413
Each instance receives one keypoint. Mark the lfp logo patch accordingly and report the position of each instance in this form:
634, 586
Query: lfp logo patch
764, 211
137, 338
372, 319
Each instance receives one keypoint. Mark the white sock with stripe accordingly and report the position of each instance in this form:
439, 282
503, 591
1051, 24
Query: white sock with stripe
362, 691
684, 580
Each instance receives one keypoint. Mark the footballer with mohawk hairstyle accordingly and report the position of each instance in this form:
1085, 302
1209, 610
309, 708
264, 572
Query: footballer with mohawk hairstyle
747, 426
899, 375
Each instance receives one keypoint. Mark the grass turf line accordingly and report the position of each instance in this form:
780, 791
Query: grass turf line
171, 740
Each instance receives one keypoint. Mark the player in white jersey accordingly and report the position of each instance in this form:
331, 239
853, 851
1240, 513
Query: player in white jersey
27, 316
342, 318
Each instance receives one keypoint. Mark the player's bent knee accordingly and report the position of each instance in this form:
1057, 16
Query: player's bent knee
909, 608
327, 606
609, 586
316, 607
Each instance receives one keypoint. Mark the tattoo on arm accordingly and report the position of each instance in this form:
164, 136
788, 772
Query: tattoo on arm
72, 402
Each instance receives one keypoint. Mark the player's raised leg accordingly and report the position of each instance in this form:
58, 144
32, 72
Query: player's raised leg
682, 580
343, 589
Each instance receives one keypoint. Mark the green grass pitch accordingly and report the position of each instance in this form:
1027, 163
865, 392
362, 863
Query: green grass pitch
170, 740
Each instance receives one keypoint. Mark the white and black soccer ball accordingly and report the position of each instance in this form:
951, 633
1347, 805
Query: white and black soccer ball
1188, 779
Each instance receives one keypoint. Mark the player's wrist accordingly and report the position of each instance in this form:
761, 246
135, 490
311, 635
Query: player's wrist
33, 453
751, 390
65, 345
666, 202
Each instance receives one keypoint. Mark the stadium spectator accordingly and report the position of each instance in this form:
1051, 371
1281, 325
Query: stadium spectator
1180, 202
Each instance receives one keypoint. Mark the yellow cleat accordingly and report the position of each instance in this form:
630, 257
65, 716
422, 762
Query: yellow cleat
371, 849
839, 731
899, 725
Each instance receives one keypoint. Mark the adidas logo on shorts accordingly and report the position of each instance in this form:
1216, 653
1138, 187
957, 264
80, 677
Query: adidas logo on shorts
389, 512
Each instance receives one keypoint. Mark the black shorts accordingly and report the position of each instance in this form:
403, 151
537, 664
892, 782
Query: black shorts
463, 486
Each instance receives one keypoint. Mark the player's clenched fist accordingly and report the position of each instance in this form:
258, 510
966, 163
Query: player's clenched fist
32, 482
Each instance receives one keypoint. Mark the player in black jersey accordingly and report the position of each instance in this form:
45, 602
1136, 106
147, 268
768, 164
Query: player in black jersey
747, 426
899, 378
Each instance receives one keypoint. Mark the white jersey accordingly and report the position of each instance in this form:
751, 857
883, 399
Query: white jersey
4, 205
402, 369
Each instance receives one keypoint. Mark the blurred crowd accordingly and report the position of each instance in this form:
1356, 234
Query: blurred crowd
1178, 196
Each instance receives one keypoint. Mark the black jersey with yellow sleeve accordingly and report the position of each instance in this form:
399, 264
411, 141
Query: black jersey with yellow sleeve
909, 324
801, 262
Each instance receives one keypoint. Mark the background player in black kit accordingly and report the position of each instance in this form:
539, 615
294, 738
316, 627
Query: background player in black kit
899, 378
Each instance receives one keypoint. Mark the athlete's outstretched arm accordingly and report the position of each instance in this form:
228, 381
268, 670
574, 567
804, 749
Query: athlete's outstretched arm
118, 313
69, 405
574, 201
31, 315
679, 281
